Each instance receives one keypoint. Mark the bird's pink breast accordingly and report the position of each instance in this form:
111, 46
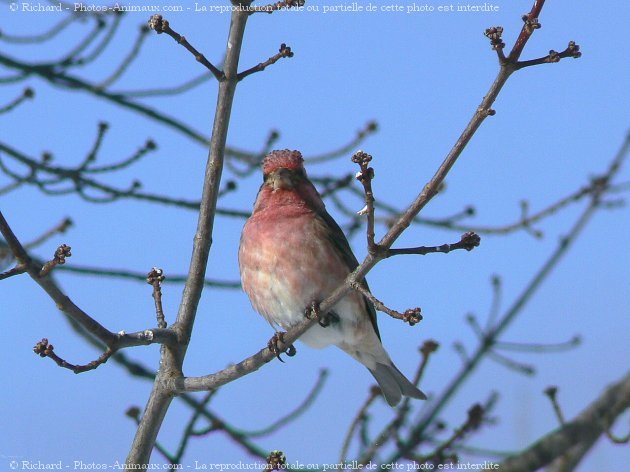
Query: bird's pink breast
281, 262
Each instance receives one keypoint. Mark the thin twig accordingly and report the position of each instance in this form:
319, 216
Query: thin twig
428, 347
370, 127
72, 58
61, 228
332, 185
166, 91
45, 349
365, 176
519, 367
572, 343
460, 349
61, 253
41, 37
412, 315
552, 393
296, 412
17, 270
284, 51
375, 393
473, 421
468, 241
572, 50
12, 186
129, 58
90, 157
148, 146
160, 25
155, 279
495, 307
27, 94
472, 321
188, 430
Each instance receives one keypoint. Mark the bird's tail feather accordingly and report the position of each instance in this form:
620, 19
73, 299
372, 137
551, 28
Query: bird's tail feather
394, 384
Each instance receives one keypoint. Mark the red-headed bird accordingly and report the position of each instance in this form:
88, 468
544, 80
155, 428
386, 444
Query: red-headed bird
292, 254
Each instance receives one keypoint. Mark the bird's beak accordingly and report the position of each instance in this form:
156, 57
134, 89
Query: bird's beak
280, 179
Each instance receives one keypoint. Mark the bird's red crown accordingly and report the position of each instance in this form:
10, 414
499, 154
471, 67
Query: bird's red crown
285, 158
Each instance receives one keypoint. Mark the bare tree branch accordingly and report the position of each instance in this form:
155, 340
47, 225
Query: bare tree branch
41, 275
581, 432
172, 359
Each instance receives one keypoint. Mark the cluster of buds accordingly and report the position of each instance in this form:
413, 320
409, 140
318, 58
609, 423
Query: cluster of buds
494, 35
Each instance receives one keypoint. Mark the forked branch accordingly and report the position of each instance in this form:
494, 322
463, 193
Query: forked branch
161, 25
41, 275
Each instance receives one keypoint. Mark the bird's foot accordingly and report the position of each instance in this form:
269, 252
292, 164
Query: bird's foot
324, 319
273, 345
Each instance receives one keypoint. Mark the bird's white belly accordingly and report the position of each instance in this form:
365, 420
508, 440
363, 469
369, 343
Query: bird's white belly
281, 307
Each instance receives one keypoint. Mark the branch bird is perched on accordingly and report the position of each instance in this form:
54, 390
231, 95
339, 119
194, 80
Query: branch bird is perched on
292, 254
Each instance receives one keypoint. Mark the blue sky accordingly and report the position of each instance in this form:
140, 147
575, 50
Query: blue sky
420, 76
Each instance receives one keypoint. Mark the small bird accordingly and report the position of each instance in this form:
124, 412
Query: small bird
293, 254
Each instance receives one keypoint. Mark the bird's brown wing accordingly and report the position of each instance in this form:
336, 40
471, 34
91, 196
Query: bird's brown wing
342, 247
